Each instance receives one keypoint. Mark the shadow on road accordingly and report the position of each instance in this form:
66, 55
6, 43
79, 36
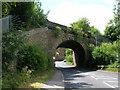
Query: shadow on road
73, 77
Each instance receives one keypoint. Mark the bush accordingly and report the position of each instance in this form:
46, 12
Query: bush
69, 51
32, 57
12, 42
106, 54
69, 57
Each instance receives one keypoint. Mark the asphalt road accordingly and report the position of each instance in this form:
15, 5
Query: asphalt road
74, 78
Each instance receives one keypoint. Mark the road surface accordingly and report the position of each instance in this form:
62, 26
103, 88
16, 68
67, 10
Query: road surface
74, 78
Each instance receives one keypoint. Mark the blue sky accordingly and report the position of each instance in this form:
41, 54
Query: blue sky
65, 12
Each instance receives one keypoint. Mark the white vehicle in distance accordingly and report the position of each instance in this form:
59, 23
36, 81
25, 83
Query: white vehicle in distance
64, 60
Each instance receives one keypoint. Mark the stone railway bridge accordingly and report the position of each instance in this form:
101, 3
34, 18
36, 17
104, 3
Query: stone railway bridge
45, 38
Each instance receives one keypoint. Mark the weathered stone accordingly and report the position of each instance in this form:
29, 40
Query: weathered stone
45, 38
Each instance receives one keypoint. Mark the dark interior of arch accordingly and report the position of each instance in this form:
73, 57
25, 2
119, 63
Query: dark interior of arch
78, 50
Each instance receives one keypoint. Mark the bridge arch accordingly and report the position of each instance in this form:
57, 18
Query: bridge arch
78, 51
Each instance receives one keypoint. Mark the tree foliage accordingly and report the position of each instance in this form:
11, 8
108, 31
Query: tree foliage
69, 57
107, 53
112, 30
12, 42
30, 13
82, 27
69, 51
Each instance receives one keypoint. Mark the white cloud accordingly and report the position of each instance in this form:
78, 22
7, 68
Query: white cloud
67, 12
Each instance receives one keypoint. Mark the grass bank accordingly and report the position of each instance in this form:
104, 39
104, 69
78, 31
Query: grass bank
38, 79
109, 69
114, 67
26, 80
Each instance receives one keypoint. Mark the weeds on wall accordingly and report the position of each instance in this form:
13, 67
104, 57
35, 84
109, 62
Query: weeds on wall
57, 31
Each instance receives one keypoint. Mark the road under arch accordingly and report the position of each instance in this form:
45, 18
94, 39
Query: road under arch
78, 50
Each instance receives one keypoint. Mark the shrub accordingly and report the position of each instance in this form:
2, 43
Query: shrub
69, 58
69, 51
12, 42
106, 54
32, 57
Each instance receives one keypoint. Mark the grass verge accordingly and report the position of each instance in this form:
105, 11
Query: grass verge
111, 69
38, 80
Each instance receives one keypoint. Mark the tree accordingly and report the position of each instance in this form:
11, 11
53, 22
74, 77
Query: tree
69, 57
82, 27
30, 13
6, 7
94, 31
112, 30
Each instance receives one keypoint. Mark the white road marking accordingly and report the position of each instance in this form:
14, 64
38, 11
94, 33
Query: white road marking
102, 77
113, 81
108, 85
105, 78
113, 78
94, 77
85, 74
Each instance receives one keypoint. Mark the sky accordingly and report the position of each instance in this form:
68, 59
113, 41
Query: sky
65, 12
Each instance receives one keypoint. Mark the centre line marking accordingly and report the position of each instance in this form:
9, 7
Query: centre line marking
94, 77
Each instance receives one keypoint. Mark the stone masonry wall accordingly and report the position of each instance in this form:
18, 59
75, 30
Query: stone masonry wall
45, 38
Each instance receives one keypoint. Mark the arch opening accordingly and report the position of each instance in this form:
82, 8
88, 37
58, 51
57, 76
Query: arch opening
79, 51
